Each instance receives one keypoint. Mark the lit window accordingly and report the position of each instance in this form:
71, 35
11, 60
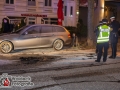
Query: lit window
31, 2
48, 2
10, 1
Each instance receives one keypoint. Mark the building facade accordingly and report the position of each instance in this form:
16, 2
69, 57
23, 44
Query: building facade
38, 11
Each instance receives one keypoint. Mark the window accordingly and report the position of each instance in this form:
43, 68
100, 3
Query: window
10, 1
48, 2
54, 30
60, 29
71, 11
65, 10
31, 2
46, 29
33, 30
51, 20
31, 22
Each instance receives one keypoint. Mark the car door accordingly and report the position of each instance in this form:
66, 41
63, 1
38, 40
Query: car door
29, 38
46, 36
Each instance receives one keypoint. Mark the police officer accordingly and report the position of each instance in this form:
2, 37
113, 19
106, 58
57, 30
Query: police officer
96, 33
114, 36
103, 40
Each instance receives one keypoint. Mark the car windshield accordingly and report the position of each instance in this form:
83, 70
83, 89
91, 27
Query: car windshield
19, 30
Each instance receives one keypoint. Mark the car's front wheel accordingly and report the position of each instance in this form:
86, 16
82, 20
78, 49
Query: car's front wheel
6, 47
58, 44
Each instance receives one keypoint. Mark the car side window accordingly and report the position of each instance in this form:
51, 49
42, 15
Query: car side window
54, 30
32, 30
59, 29
46, 29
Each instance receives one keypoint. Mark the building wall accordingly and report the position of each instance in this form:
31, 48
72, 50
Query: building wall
112, 9
118, 14
71, 19
20, 9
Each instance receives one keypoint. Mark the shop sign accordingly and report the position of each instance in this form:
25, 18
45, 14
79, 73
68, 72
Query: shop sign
34, 15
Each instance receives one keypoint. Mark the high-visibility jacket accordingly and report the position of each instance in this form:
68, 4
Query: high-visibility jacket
104, 32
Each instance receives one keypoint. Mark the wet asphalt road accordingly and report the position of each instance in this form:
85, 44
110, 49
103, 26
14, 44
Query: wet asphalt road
98, 76
68, 69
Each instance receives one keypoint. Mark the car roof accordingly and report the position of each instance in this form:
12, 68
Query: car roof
45, 25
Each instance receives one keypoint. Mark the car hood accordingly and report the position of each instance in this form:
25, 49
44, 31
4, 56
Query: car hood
8, 36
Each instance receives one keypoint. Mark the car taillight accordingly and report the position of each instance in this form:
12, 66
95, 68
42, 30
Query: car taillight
69, 36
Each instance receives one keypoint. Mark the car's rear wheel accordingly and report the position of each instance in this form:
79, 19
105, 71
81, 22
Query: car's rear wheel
58, 44
6, 47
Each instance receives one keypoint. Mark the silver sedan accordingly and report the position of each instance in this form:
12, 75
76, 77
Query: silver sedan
35, 36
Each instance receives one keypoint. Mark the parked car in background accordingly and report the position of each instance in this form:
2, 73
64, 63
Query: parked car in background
35, 36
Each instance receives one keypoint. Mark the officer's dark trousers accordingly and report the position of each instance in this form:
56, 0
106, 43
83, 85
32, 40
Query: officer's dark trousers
114, 49
102, 46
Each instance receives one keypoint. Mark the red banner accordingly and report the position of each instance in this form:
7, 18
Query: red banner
60, 12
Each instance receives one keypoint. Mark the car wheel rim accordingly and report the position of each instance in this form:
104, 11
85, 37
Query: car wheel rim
5, 47
58, 45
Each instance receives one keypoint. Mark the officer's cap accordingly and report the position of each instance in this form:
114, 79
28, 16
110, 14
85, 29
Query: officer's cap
104, 20
113, 17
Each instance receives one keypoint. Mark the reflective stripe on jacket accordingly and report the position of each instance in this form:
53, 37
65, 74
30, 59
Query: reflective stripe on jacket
104, 32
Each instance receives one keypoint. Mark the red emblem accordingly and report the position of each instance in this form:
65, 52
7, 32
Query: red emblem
6, 82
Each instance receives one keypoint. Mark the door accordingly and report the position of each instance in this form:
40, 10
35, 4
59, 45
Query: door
46, 36
30, 38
